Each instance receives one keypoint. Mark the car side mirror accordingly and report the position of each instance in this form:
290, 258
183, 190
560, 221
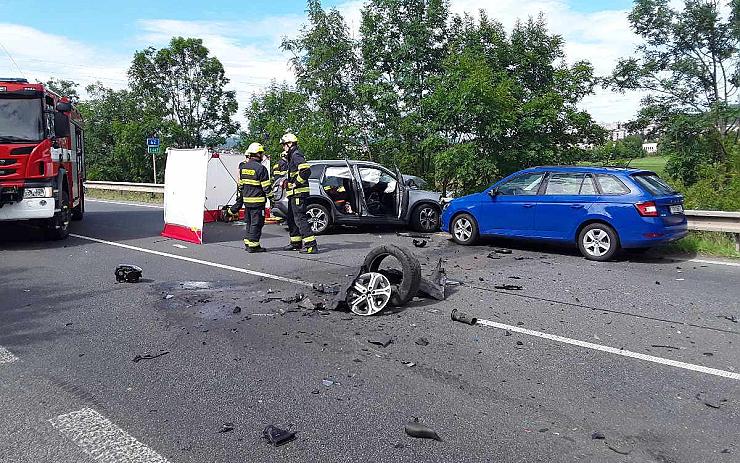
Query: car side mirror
493, 193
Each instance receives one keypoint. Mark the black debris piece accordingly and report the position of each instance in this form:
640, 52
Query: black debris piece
462, 317
226, 427
664, 346
128, 273
422, 342
598, 435
731, 318
237, 309
434, 286
519, 343
270, 299
657, 283
707, 354
621, 446
421, 431
507, 333
509, 287
277, 436
381, 340
492, 255
420, 243
321, 288
502, 251
709, 400
522, 258
141, 357
292, 299
515, 278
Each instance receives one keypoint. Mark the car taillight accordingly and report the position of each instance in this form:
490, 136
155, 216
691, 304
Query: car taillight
647, 209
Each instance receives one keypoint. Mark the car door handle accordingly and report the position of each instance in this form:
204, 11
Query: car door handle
528, 205
576, 206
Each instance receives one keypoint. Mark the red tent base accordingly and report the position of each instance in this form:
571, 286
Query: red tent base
179, 232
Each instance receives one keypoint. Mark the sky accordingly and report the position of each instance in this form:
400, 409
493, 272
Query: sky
86, 41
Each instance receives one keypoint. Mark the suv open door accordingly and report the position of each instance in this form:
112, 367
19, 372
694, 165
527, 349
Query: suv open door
402, 195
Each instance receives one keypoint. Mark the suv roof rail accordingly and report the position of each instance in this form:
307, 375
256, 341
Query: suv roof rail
18, 80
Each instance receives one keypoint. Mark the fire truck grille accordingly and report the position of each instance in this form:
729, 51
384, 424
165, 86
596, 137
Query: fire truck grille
6, 162
4, 172
22, 150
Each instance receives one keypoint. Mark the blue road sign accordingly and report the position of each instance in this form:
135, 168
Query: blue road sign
152, 141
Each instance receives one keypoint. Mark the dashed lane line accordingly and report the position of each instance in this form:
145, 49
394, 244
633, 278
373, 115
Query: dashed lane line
195, 261
6, 356
105, 442
613, 350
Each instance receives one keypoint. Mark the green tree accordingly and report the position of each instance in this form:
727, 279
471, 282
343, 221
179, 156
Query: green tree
63, 87
689, 65
184, 84
504, 103
402, 48
116, 128
325, 65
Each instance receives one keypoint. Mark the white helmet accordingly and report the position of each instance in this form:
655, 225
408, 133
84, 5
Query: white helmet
287, 138
255, 148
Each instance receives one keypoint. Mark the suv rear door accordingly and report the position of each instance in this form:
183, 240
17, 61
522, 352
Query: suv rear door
564, 205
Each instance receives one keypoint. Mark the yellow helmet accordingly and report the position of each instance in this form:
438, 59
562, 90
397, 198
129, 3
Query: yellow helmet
287, 138
255, 148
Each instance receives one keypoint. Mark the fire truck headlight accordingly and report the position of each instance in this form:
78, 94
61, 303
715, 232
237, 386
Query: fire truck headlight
45, 192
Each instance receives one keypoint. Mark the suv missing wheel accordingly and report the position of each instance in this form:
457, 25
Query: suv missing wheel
357, 193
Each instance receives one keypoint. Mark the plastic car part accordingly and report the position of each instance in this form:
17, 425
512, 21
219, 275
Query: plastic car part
421, 431
462, 317
407, 288
369, 294
277, 436
128, 273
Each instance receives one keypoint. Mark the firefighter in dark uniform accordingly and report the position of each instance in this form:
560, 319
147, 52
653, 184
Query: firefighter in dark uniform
297, 192
252, 192
281, 168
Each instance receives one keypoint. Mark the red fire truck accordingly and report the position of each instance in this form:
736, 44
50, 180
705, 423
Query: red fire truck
42, 160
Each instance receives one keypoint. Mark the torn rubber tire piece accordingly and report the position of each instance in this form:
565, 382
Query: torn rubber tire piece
404, 291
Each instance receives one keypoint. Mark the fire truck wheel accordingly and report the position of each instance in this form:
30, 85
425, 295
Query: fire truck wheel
57, 228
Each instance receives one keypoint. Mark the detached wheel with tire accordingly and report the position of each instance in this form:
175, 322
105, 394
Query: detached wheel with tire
425, 218
407, 288
57, 227
598, 241
319, 218
464, 229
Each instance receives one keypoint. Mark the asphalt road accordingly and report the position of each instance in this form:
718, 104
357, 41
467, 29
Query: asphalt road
71, 392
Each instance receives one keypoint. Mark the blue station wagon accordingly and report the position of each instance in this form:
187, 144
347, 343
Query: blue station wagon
601, 209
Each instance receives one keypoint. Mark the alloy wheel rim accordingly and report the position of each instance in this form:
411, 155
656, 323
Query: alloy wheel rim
317, 219
597, 242
463, 229
428, 218
370, 293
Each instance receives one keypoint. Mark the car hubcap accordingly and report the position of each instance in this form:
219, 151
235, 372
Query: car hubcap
317, 218
463, 229
428, 218
597, 242
369, 294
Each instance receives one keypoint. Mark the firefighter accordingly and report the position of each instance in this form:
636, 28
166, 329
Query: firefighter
252, 192
281, 168
297, 192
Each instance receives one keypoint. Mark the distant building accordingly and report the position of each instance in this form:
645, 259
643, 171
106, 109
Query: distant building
617, 131
650, 148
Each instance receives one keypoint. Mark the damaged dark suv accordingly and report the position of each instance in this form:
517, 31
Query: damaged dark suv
346, 192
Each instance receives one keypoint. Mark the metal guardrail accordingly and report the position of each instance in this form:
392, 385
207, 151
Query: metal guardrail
126, 186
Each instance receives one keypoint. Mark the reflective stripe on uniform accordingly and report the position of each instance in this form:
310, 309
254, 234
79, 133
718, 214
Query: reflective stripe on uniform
295, 239
308, 239
252, 244
266, 183
247, 181
254, 199
297, 191
299, 179
247, 171
304, 166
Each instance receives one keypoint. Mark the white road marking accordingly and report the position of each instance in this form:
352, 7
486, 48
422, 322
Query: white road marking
714, 262
103, 440
122, 203
613, 350
196, 261
6, 356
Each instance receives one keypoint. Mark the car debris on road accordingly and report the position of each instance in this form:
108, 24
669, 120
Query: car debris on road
128, 273
419, 430
277, 436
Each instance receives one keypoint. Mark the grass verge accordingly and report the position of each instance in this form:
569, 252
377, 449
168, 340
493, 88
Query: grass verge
152, 198
708, 243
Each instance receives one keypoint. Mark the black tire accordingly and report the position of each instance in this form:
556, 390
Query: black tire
425, 218
57, 227
319, 218
407, 288
598, 241
79, 211
464, 229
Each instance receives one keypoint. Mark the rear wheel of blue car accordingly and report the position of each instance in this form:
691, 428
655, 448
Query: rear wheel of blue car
464, 229
598, 241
